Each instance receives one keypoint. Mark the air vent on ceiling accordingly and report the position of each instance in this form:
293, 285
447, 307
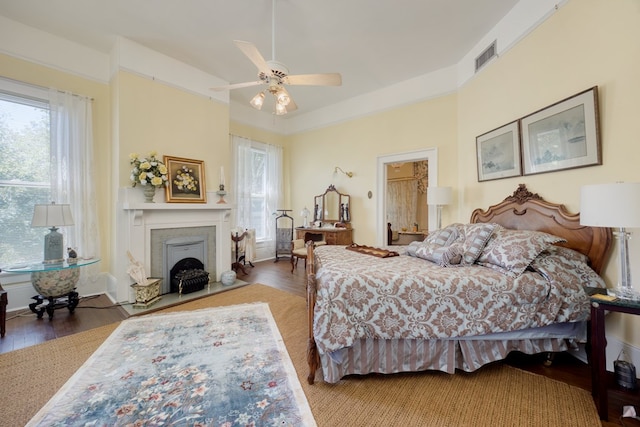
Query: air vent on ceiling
486, 55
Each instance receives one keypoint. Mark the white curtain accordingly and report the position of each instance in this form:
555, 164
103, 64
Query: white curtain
73, 170
402, 203
244, 174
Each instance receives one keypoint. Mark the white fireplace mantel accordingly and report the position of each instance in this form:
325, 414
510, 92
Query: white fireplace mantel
135, 220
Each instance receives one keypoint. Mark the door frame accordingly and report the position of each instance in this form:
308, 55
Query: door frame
429, 154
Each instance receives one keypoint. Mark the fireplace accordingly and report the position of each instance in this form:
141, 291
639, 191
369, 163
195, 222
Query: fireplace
188, 275
143, 229
171, 245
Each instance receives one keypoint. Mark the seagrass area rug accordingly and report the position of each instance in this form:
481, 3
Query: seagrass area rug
221, 366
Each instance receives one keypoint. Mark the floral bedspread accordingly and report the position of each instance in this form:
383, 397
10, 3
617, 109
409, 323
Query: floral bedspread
361, 296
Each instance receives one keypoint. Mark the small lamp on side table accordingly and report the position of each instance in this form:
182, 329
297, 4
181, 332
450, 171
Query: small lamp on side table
52, 215
614, 205
304, 213
439, 196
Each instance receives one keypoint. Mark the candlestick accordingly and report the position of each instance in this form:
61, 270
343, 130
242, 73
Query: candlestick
222, 175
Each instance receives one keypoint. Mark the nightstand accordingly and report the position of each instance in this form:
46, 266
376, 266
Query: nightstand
599, 380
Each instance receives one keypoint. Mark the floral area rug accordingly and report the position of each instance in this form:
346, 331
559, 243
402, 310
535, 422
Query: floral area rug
224, 366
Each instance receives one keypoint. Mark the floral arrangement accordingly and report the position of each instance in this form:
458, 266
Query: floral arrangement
148, 170
185, 181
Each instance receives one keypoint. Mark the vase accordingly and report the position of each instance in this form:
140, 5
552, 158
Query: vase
228, 278
149, 192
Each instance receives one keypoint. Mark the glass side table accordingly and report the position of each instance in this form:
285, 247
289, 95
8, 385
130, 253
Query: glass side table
54, 282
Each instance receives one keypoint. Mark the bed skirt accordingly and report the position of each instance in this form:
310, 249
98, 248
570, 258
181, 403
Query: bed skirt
392, 356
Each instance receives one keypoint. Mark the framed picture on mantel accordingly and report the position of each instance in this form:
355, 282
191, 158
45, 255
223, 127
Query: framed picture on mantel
186, 180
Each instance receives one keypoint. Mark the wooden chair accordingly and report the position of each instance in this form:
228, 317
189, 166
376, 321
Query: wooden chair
299, 250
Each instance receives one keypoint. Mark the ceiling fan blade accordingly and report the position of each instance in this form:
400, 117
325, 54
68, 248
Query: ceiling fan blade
237, 86
252, 52
327, 79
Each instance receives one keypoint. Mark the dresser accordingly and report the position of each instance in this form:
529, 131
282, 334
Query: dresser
331, 235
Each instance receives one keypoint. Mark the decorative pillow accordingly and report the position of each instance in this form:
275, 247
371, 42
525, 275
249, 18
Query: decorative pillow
476, 237
513, 250
566, 266
452, 257
445, 236
431, 252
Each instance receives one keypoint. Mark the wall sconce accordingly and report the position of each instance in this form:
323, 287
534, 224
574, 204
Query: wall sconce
338, 168
439, 196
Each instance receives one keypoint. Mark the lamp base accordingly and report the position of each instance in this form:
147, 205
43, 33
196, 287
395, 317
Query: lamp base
53, 247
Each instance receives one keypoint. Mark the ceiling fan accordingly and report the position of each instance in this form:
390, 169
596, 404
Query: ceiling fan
275, 75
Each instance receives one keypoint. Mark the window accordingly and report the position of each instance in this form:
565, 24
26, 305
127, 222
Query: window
258, 193
24, 171
258, 183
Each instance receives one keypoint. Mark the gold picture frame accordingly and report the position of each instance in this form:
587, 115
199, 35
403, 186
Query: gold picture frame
186, 180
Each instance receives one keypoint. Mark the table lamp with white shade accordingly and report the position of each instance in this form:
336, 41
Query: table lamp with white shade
615, 205
439, 196
52, 215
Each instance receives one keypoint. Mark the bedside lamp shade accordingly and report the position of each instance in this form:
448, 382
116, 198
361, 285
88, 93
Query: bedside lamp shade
614, 205
52, 215
439, 196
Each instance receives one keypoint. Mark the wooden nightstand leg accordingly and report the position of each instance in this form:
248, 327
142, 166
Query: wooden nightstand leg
599, 361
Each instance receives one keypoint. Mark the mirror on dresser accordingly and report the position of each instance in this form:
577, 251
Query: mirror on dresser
331, 219
332, 206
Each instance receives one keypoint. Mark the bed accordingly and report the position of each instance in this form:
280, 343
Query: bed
460, 299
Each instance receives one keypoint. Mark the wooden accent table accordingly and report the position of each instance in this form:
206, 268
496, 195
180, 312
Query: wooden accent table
599, 379
331, 235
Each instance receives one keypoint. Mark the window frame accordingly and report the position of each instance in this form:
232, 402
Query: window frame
29, 95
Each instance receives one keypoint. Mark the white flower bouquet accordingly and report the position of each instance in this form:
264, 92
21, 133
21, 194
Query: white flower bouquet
148, 170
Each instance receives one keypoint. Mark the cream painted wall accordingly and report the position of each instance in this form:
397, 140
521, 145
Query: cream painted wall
32, 73
155, 116
356, 145
586, 43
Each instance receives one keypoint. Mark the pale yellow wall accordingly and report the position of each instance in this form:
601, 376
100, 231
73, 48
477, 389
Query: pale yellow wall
155, 116
355, 147
32, 73
586, 43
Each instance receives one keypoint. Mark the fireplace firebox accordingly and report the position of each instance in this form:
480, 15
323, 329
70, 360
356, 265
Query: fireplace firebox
188, 275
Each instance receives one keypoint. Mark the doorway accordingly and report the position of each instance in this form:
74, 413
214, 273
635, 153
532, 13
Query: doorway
385, 164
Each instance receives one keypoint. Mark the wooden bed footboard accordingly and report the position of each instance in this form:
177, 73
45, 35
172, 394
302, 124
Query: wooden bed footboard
313, 358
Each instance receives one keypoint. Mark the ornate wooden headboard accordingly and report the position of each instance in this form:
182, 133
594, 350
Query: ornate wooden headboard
524, 210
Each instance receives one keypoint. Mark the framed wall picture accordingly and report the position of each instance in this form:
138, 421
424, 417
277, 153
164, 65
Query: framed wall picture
564, 135
498, 153
186, 180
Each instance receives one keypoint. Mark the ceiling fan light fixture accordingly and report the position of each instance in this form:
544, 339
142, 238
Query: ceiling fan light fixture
257, 101
282, 98
281, 110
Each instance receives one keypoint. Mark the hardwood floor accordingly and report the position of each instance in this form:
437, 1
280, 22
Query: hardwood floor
24, 329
